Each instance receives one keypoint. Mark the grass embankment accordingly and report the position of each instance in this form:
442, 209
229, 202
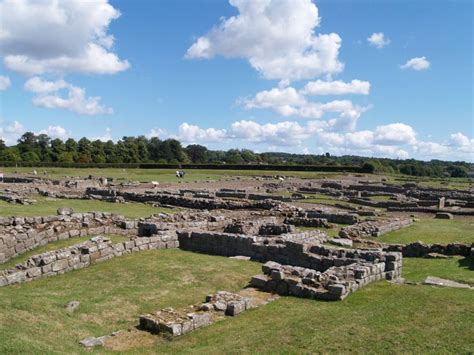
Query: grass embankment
47, 206
161, 175
58, 244
380, 318
430, 230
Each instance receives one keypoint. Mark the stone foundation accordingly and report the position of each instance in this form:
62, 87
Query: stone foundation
81, 255
183, 321
20, 234
334, 284
374, 228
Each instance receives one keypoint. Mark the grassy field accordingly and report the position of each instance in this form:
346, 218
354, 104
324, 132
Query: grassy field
54, 246
446, 183
47, 206
380, 318
380, 198
456, 268
430, 230
162, 175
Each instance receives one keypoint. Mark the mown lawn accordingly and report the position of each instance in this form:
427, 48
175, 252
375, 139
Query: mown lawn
456, 268
58, 244
113, 294
48, 206
380, 318
430, 230
161, 175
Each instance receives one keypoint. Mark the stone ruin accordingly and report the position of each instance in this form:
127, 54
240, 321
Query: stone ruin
182, 321
232, 222
374, 227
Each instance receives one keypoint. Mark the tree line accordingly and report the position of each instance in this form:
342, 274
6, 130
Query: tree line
32, 148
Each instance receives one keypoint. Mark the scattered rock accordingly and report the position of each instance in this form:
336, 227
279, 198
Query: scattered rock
72, 306
240, 257
91, 342
65, 211
436, 281
341, 242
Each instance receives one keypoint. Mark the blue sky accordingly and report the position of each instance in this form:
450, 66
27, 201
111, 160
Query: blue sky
246, 87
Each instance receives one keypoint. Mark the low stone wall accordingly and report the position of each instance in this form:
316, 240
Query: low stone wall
181, 201
374, 228
308, 222
292, 249
460, 211
383, 204
331, 285
15, 199
20, 234
81, 255
183, 321
419, 249
340, 218
150, 227
253, 227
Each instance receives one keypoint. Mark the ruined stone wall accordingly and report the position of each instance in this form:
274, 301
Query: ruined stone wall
19, 234
294, 252
384, 204
307, 222
340, 218
81, 255
419, 249
334, 284
181, 201
460, 211
374, 228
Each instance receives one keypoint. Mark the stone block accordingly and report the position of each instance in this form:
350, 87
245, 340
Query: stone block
259, 281
200, 319
235, 307
175, 329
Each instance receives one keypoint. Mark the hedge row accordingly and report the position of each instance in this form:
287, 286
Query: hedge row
328, 168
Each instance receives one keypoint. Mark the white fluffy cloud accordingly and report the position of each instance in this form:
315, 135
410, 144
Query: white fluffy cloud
290, 102
10, 132
277, 37
417, 63
56, 132
49, 95
337, 87
284, 133
193, 134
394, 134
378, 40
4, 82
59, 36
462, 143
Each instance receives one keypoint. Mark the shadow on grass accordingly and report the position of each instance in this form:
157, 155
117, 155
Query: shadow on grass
467, 262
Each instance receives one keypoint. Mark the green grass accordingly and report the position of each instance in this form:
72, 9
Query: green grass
430, 230
161, 175
379, 318
456, 268
58, 244
380, 198
112, 294
48, 206
445, 182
